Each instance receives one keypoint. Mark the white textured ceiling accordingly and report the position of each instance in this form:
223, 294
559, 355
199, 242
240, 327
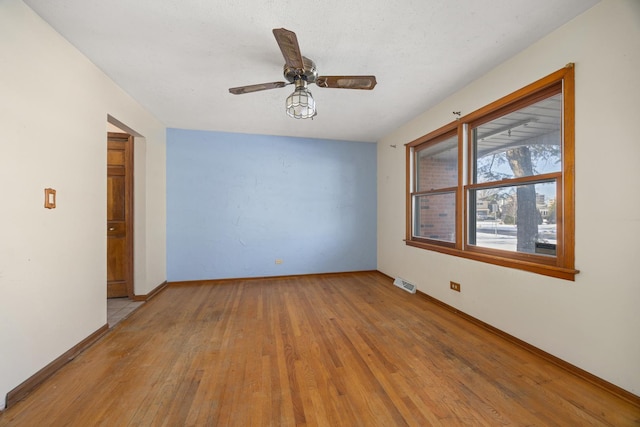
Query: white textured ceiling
179, 57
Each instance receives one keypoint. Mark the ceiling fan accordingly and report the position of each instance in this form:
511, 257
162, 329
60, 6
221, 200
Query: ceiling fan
301, 71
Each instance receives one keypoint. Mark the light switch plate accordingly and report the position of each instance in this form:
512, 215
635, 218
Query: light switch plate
49, 198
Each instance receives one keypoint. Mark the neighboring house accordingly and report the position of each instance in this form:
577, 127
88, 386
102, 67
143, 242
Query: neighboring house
54, 108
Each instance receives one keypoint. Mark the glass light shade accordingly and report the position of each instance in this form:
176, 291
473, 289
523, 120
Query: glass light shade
300, 104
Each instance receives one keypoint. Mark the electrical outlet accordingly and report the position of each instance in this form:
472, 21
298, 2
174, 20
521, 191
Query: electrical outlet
278, 261
455, 286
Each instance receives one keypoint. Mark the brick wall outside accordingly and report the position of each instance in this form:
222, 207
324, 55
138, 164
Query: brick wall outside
435, 218
434, 173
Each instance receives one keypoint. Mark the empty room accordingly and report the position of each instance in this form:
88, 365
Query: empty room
279, 213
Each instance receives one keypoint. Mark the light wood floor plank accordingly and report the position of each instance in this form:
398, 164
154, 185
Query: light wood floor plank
327, 350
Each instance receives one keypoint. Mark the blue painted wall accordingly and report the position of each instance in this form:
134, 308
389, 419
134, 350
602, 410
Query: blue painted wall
238, 202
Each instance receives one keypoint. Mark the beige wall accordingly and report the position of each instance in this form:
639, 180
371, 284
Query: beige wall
592, 322
54, 106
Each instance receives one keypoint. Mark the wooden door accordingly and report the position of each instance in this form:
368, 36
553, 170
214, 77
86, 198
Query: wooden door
119, 215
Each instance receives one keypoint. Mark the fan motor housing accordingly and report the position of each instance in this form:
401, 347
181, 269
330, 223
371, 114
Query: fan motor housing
309, 73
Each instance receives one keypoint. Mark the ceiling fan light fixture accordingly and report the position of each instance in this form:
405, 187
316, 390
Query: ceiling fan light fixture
300, 104
302, 71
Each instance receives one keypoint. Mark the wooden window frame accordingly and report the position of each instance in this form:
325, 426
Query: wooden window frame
442, 135
562, 265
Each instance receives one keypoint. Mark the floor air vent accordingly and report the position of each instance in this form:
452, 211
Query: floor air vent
403, 284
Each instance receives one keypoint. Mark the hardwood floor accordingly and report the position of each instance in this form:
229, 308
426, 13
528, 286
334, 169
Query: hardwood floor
327, 350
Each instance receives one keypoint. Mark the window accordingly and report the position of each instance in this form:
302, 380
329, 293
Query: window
434, 201
497, 185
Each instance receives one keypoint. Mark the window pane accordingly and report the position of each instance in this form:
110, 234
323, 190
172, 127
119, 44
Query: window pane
526, 142
437, 165
518, 218
435, 216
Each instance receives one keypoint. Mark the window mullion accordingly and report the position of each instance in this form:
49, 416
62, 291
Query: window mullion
463, 178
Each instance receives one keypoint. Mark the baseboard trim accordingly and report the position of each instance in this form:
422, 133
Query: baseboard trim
151, 294
236, 279
21, 391
579, 372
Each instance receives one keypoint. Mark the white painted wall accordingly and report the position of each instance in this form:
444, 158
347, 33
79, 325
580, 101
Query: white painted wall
593, 322
53, 118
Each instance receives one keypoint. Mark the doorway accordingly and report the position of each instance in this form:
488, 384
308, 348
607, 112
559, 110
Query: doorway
119, 215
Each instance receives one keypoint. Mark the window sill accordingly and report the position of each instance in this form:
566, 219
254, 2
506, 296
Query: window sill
546, 270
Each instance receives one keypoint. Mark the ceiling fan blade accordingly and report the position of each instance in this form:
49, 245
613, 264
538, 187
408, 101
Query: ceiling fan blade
288, 43
347, 82
255, 88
